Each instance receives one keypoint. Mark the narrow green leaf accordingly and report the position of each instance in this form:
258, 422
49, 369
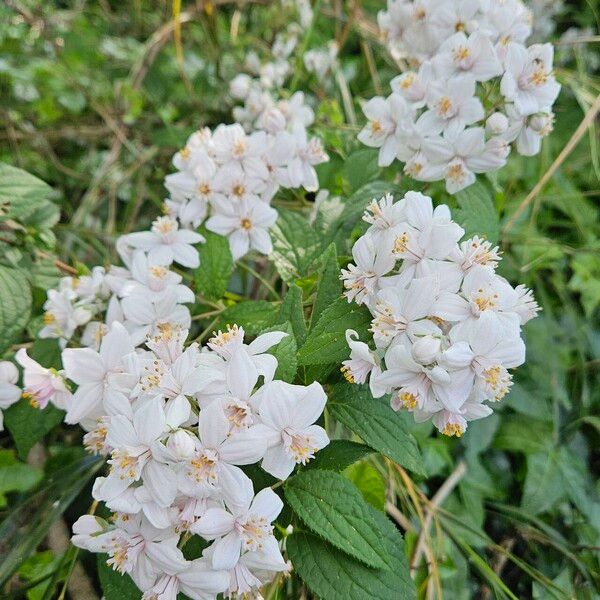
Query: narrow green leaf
329, 286
334, 509
376, 423
291, 310
285, 353
333, 575
15, 305
216, 266
326, 342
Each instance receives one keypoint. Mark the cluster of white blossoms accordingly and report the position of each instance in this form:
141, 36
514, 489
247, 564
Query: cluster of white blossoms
229, 177
472, 88
446, 328
176, 424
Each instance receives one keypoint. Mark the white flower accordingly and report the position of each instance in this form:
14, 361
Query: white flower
461, 54
528, 80
9, 392
41, 385
245, 527
287, 413
232, 146
166, 243
412, 86
387, 118
309, 152
361, 362
102, 377
62, 316
528, 130
246, 224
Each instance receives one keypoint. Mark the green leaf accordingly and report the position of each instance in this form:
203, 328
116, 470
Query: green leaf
332, 575
20, 192
338, 455
285, 353
296, 245
523, 435
253, 315
376, 423
329, 286
543, 484
361, 167
370, 483
16, 476
477, 213
15, 305
326, 342
114, 585
291, 310
27, 425
334, 509
216, 266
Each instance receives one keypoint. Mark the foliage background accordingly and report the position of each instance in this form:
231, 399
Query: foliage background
96, 97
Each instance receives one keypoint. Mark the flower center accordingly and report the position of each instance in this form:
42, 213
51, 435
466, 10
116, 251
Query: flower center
164, 225
239, 190
453, 429
254, 530
444, 107
246, 224
300, 447
203, 467
461, 53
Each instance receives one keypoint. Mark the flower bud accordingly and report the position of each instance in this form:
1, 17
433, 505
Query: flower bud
181, 444
239, 86
272, 120
541, 123
426, 349
496, 124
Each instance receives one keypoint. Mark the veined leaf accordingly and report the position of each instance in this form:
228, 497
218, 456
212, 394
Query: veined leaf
477, 213
15, 305
326, 343
334, 509
20, 192
291, 310
376, 423
333, 575
216, 266
338, 455
253, 315
285, 353
329, 286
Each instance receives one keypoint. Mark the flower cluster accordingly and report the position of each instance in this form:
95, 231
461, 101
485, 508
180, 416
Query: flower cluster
177, 424
472, 90
233, 176
446, 328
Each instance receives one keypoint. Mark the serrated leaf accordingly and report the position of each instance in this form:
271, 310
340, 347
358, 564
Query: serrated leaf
20, 192
335, 510
329, 285
523, 435
333, 575
27, 425
114, 585
326, 343
291, 310
15, 305
216, 266
296, 245
285, 353
376, 423
477, 213
253, 315
338, 455
369, 481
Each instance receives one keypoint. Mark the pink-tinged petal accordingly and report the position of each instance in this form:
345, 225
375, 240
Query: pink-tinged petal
214, 523
266, 504
227, 551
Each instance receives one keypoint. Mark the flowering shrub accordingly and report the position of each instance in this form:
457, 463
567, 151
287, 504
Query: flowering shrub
474, 89
209, 359
446, 327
